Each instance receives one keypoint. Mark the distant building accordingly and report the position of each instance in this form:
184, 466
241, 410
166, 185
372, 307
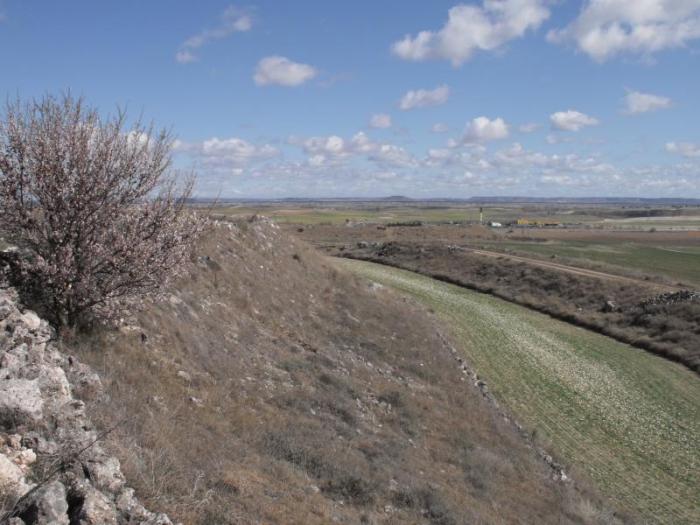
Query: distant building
535, 222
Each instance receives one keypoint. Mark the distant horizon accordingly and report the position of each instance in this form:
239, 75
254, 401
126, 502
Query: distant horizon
475, 198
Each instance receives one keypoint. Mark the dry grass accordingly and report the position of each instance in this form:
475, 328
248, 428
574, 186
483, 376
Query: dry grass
307, 398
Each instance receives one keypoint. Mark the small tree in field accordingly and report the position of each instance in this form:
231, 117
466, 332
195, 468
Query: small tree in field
94, 204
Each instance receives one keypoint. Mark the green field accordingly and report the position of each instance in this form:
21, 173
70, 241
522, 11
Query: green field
626, 419
384, 214
678, 263
329, 215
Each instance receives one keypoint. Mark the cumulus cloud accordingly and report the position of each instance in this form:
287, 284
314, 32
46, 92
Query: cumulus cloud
333, 149
233, 20
282, 71
392, 155
686, 149
470, 28
607, 28
380, 120
226, 156
422, 98
571, 120
636, 102
482, 129
529, 127
440, 127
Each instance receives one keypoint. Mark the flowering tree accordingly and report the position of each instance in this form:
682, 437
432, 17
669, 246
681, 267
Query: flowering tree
94, 204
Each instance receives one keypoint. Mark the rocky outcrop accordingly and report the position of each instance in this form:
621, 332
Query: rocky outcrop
53, 469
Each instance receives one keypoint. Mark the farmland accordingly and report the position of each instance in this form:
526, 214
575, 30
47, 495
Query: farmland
676, 263
623, 418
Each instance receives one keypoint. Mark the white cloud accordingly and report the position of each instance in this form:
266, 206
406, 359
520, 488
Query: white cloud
606, 28
686, 149
380, 120
440, 127
636, 102
470, 28
390, 154
225, 154
335, 150
482, 129
282, 71
422, 98
530, 127
571, 120
233, 20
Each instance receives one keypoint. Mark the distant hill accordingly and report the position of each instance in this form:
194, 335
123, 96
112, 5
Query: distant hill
629, 201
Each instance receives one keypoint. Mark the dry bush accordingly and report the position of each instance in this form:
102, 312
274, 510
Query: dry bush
95, 206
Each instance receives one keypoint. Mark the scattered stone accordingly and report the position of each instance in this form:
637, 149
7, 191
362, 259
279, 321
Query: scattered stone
682, 296
184, 375
610, 306
196, 401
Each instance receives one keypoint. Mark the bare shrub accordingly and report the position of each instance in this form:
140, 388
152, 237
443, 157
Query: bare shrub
94, 204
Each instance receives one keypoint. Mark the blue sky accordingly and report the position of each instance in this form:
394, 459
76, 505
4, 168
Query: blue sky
426, 99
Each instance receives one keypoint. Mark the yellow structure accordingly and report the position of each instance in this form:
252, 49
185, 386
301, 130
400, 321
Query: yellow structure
534, 222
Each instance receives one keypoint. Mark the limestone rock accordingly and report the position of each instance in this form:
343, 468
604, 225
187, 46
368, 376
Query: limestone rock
20, 402
48, 506
32, 320
96, 509
12, 482
42, 413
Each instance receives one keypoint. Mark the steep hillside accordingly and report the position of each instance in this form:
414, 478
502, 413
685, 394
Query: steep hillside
271, 387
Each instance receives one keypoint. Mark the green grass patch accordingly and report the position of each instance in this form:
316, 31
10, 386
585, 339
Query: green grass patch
679, 263
627, 419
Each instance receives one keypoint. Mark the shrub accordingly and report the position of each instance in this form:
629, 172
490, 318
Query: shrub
94, 204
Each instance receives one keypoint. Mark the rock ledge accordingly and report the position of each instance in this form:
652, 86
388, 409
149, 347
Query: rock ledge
53, 469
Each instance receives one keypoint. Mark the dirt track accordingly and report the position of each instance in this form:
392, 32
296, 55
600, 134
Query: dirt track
576, 270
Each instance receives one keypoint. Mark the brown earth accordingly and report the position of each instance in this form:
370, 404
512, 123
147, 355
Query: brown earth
272, 387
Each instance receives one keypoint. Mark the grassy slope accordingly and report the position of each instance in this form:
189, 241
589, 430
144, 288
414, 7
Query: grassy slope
272, 388
630, 420
680, 263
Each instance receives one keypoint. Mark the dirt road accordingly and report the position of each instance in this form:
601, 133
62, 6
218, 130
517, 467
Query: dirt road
576, 270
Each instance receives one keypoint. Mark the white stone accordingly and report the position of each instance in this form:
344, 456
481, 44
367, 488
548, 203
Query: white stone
20, 401
32, 320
